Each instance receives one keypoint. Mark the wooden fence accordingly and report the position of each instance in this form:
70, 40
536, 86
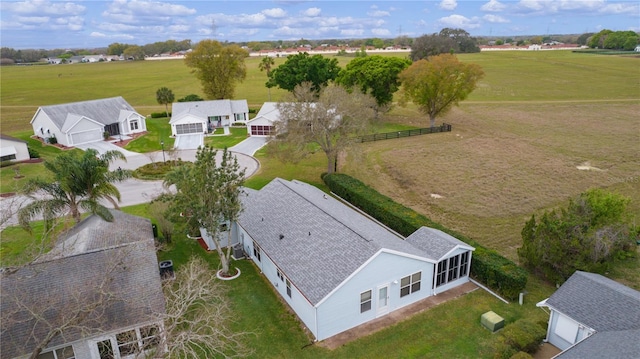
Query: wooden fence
406, 133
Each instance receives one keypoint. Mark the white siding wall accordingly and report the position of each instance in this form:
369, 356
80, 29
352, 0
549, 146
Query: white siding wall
299, 304
41, 120
341, 311
563, 331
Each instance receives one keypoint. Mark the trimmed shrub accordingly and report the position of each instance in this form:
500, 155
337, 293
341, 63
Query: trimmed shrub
160, 114
523, 336
489, 267
33, 153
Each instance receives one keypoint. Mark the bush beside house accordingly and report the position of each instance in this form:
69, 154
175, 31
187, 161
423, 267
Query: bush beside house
488, 266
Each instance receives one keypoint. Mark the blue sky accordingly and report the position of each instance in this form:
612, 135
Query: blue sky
48, 24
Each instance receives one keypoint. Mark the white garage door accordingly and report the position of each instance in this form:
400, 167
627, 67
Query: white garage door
189, 128
85, 137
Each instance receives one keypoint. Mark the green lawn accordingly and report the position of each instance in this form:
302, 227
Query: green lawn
513, 152
451, 329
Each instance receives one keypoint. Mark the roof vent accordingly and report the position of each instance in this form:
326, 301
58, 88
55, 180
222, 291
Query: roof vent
281, 236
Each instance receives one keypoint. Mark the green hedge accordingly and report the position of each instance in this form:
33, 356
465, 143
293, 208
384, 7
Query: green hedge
518, 338
487, 266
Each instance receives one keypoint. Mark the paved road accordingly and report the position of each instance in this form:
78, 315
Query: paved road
132, 191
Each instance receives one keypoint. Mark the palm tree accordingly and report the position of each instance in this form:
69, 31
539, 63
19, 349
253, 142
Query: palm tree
164, 96
80, 182
265, 65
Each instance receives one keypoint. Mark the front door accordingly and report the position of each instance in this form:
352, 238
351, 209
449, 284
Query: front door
382, 307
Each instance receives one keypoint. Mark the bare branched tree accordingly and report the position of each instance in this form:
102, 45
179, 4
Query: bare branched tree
75, 307
332, 121
198, 313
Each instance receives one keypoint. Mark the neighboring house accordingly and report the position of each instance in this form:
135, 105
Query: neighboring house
205, 116
13, 149
262, 124
100, 285
594, 317
84, 122
336, 267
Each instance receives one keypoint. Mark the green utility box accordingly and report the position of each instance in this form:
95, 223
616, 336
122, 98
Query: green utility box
492, 321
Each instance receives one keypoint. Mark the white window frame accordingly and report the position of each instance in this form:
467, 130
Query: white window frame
365, 302
412, 284
56, 355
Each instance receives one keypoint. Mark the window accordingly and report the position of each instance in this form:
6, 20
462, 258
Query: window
150, 337
464, 263
365, 301
239, 116
105, 349
62, 353
280, 275
134, 125
256, 251
410, 284
288, 287
8, 157
441, 276
452, 268
127, 342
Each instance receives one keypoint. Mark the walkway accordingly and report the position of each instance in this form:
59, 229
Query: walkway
395, 316
250, 145
189, 142
104, 146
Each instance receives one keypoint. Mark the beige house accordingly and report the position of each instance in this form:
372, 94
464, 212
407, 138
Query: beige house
13, 149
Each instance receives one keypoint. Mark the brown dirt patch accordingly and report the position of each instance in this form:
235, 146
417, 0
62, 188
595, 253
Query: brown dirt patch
504, 162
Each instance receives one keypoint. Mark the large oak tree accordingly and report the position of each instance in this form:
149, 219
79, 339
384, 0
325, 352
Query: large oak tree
375, 75
438, 83
317, 70
218, 67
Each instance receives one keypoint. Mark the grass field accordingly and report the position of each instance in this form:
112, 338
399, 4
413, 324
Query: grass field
514, 151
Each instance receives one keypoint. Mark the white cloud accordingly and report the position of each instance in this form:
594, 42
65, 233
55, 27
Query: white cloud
97, 34
588, 7
178, 28
312, 12
34, 19
495, 19
459, 21
380, 32
448, 5
493, 6
378, 13
275, 12
621, 8
351, 32
149, 8
42, 7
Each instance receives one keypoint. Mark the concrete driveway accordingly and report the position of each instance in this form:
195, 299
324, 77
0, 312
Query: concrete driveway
104, 146
189, 142
250, 145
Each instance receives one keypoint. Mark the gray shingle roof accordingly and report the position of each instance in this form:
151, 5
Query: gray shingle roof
324, 241
598, 302
57, 288
204, 109
9, 138
93, 233
435, 242
623, 344
105, 111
